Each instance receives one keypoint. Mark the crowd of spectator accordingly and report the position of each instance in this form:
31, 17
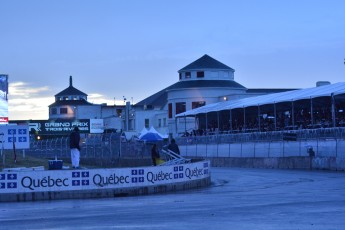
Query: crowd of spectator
302, 119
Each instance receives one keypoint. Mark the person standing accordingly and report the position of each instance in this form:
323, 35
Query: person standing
154, 154
74, 141
174, 147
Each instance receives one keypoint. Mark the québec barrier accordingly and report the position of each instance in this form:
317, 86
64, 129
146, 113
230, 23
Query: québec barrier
92, 183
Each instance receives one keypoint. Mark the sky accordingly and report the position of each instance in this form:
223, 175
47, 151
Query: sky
134, 48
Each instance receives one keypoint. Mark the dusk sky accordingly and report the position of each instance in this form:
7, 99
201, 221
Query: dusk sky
135, 48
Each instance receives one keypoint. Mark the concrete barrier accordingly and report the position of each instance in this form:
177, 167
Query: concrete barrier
96, 183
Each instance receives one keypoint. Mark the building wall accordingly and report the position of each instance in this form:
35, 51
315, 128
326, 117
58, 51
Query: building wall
88, 112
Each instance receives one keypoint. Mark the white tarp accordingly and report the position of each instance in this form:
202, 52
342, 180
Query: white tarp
294, 95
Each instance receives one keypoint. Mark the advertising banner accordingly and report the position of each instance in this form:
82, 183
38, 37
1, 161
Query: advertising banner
96, 126
14, 136
61, 127
3, 99
89, 179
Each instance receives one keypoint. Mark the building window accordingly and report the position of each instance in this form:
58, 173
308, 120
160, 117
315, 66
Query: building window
180, 76
159, 122
188, 75
147, 123
63, 110
200, 74
170, 110
164, 122
197, 104
180, 107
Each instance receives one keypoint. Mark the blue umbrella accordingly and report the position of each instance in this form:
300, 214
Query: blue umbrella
151, 137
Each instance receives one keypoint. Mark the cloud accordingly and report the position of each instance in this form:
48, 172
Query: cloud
26, 102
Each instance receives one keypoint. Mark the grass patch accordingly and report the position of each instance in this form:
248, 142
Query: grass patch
7, 161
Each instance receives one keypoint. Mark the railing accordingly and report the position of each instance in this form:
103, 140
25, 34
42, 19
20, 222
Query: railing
325, 142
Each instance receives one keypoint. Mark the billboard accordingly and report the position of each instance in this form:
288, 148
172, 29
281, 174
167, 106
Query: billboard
3, 99
14, 136
62, 127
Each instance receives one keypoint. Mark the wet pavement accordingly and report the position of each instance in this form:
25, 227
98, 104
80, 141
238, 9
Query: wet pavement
238, 199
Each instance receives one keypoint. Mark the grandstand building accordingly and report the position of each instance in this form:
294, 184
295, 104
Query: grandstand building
202, 82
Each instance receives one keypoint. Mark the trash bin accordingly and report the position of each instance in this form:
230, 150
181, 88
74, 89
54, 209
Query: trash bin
55, 164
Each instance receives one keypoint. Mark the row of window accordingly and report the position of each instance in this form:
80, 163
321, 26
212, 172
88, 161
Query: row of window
180, 107
75, 98
53, 111
199, 74
147, 123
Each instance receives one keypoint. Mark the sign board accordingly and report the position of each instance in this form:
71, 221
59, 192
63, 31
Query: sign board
63, 127
14, 136
96, 126
69, 180
3, 99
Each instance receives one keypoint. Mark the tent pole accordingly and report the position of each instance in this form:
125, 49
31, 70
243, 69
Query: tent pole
206, 124
311, 113
259, 118
185, 124
275, 116
293, 115
333, 110
231, 120
176, 126
244, 119
218, 121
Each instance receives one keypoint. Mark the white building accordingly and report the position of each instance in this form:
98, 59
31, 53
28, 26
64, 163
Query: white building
204, 81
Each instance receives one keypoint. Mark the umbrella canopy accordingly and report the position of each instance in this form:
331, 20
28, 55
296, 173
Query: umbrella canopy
150, 137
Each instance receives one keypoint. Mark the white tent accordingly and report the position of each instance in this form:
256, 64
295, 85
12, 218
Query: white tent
153, 130
143, 132
294, 95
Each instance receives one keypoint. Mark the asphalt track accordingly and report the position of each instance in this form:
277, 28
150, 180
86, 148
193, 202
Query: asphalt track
238, 199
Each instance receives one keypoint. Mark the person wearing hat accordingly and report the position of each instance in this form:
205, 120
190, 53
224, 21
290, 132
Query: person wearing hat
174, 147
75, 147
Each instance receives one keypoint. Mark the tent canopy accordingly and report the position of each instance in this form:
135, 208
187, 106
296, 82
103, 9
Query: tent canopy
289, 96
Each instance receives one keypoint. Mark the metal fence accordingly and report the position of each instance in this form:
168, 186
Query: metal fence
325, 142
328, 142
100, 146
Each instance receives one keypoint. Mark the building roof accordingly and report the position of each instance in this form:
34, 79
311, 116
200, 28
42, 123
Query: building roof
70, 90
160, 98
70, 102
288, 96
206, 62
266, 91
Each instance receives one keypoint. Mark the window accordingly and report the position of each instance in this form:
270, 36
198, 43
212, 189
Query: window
63, 110
53, 111
187, 75
197, 104
164, 122
170, 110
200, 74
180, 76
159, 122
180, 107
147, 123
